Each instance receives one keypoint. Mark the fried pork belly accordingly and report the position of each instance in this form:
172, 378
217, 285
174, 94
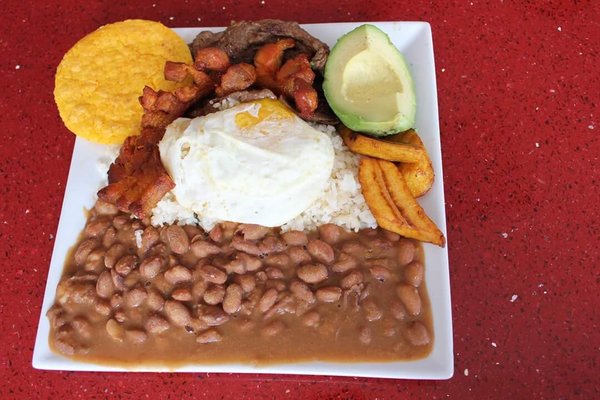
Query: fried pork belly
137, 179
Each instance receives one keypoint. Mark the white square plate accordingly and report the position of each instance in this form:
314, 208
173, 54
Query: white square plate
85, 178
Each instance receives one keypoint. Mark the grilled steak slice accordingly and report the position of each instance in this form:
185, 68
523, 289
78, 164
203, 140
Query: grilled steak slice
241, 40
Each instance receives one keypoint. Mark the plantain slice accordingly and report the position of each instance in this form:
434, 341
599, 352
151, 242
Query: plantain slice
378, 148
392, 203
419, 175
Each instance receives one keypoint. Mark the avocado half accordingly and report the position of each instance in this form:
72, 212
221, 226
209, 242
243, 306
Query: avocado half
368, 83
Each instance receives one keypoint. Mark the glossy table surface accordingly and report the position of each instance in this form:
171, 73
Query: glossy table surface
518, 88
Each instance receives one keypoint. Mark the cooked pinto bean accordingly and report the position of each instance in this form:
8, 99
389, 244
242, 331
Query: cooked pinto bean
409, 295
82, 327
135, 297
156, 324
398, 310
182, 294
120, 316
199, 288
149, 238
330, 233
299, 256
95, 261
213, 274
104, 286
247, 282
212, 316
136, 336
354, 249
160, 249
274, 273
295, 238
209, 336
73, 291
413, 273
280, 260
113, 254
126, 264
391, 236
321, 251
311, 318
245, 246
379, 245
216, 234
312, 273
235, 266
97, 227
271, 244
302, 291
196, 325
65, 346
233, 298
178, 274
277, 284
272, 328
151, 266
132, 279
380, 273
155, 301
214, 294
116, 300
417, 334
203, 248
115, 330
192, 231
344, 263
109, 238
372, 310
57, 316
353, 278
84, 249
365, 336
406, 251
261, 276
177, 312
177, 239
251, 263
120, 221
329, 294
252, 232
389, 327
267, 300
102, 307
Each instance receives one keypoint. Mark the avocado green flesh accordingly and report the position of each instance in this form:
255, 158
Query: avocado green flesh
368, 84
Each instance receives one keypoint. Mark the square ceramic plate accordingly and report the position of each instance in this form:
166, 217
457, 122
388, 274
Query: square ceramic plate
85, 178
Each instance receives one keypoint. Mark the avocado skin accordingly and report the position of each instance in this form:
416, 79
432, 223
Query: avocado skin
356, 122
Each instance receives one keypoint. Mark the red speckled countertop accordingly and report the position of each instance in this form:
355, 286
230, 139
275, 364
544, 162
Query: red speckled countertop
519, 90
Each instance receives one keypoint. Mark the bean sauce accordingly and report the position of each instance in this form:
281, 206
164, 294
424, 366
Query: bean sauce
239, 293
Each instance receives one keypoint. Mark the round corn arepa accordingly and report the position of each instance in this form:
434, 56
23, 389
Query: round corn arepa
100, 78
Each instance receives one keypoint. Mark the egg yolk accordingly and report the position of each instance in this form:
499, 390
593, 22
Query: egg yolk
269, 109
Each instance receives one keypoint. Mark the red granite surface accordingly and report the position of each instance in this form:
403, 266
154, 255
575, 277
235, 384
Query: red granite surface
519, 89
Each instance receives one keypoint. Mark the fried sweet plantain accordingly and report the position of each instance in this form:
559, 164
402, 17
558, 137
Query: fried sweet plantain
392, 203
379, 148
419, 175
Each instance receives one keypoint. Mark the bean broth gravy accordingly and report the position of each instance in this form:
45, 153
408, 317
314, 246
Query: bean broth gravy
134, 294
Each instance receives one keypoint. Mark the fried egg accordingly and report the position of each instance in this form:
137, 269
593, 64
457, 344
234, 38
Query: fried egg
256, 163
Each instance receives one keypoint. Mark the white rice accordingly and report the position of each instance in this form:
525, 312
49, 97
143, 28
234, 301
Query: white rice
342, 202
